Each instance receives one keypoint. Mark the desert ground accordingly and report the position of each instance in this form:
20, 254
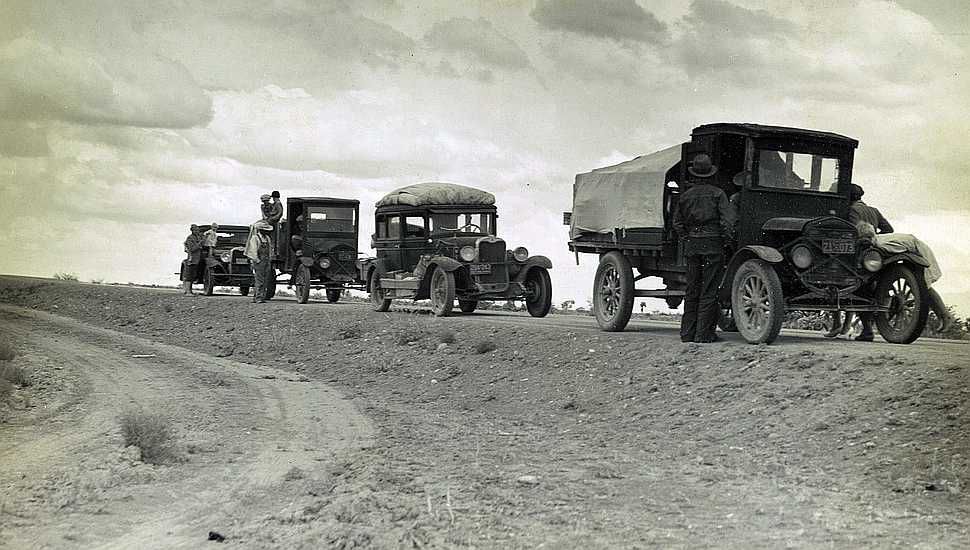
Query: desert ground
333, 426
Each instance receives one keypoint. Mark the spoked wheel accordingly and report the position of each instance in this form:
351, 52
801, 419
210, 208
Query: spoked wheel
442, 292
301, 281
726, 321
467, 306
333, 295
613, 292
377, 299
209, 282
538, 287
757, 302
904, 292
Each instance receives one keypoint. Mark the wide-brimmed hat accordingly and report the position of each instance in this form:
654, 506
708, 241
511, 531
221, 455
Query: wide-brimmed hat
702, 167
262, 225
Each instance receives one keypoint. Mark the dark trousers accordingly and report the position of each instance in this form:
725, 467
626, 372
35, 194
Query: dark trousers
262, 275
704, 272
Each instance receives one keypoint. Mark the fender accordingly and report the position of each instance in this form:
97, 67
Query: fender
910, 257
533, 261
212, 262
446, 263
766, 253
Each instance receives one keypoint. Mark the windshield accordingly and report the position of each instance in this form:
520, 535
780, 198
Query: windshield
803, 171
331, 219
481, 223
231, 238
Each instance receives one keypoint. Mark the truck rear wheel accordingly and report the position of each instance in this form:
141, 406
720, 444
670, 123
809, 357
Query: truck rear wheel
467, 306
377, 299
301, 281
757, 302
333, 295
905, 294
539, 287
244, 290
442, 292
613, 292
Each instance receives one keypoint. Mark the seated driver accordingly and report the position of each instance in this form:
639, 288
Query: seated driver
296, 240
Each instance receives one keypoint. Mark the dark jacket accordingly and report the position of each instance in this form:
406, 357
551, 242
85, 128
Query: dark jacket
703, 211
193, 248
862, 212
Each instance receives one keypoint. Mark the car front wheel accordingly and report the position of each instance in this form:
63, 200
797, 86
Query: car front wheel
442, 292
538, 287
301, 280
613, 292
757, 302
377, 299
209, 282
904, 292
333, 295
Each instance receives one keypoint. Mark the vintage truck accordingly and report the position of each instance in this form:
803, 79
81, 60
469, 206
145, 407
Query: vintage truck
794, 248
438, 241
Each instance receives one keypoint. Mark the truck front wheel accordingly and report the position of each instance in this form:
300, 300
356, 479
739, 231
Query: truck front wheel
301, 281
757, 302
539, 292
442, 292
377, 299
613, 292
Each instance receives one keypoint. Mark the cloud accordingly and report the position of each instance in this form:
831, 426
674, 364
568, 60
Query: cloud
478, 40
614, 19
41, 82
18, 139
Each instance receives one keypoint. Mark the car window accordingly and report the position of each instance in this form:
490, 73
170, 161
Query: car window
481, 223
803, 171
413, 227
331, 219
394, 227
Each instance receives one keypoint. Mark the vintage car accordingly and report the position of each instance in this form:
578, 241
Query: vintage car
795, 249
317, 246
438, 241
228, 266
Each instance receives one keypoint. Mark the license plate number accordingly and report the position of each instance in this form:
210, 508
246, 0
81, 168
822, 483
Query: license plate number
479, 269
242, 261
838, 246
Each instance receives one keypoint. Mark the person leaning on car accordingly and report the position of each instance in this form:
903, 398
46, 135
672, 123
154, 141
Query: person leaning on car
860, 212
704, 221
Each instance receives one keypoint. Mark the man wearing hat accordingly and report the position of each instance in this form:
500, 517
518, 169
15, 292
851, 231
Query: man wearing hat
704, 221
193, 258
862, 212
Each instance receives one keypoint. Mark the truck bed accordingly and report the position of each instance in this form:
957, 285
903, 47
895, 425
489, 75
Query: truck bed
642, 238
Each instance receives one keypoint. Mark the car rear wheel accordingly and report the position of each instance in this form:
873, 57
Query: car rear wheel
442, 292
757, 302
613, 292
538, 287
467, 306
377, 299
244, 290
333, 295
904, 292
301, 280
208, 282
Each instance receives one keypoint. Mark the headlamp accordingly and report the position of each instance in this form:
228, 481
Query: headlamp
467, 253
324, 263
801, 256
521, 254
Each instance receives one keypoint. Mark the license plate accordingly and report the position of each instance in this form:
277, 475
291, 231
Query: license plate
479, 269
242, 261
838, 246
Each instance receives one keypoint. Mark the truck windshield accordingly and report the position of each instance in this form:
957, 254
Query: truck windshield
480, 223
331, 219
803, 171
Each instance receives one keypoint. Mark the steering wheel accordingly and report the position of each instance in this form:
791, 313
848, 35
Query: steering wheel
462, 228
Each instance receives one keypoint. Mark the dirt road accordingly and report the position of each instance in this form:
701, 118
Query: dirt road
498, 431
246, 432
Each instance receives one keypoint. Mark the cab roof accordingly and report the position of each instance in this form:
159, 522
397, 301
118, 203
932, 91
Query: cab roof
761, 130
335, 200
437, 194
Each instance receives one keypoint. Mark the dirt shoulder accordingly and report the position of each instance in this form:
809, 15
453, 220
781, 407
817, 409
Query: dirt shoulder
568, 437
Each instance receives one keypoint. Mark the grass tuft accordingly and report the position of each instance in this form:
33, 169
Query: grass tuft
16, 375
150, 432
66, 277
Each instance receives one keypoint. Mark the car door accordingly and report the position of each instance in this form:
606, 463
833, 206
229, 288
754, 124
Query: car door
414, 240
387, 241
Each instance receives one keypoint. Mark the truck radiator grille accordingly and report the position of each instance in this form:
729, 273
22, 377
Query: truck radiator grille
491, 252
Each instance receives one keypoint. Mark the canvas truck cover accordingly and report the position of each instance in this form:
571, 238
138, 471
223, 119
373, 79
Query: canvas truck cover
437, 193
623, 196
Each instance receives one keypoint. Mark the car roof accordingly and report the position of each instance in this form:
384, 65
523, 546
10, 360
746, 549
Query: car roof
323, 199
762, 130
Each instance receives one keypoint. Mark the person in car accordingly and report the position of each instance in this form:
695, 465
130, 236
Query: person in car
276, 211
193, 259
704, 220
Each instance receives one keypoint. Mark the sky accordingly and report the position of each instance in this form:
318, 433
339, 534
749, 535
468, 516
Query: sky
123, 122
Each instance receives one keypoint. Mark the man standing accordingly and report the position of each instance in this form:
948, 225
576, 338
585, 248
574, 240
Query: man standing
210, 238
258, 251
193, 252
704, 220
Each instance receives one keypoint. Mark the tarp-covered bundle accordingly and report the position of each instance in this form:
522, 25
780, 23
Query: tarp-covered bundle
437, 193
623, 196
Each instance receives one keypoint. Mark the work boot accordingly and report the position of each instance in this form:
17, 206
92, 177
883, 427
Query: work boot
187, 288
836, 327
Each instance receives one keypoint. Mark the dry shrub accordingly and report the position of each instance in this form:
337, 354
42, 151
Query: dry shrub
16, 375
7, 352
485, 346
447, 336
66, 277
150, 432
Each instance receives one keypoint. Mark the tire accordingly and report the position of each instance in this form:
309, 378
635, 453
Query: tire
301, 281
333, 295
467, 306
905, 293
758, 302
271, 284
726, 321
613, 292
377, 299
244, 290
442, 292
539, 287
208, 282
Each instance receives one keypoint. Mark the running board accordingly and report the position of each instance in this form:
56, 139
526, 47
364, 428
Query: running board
659, 293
